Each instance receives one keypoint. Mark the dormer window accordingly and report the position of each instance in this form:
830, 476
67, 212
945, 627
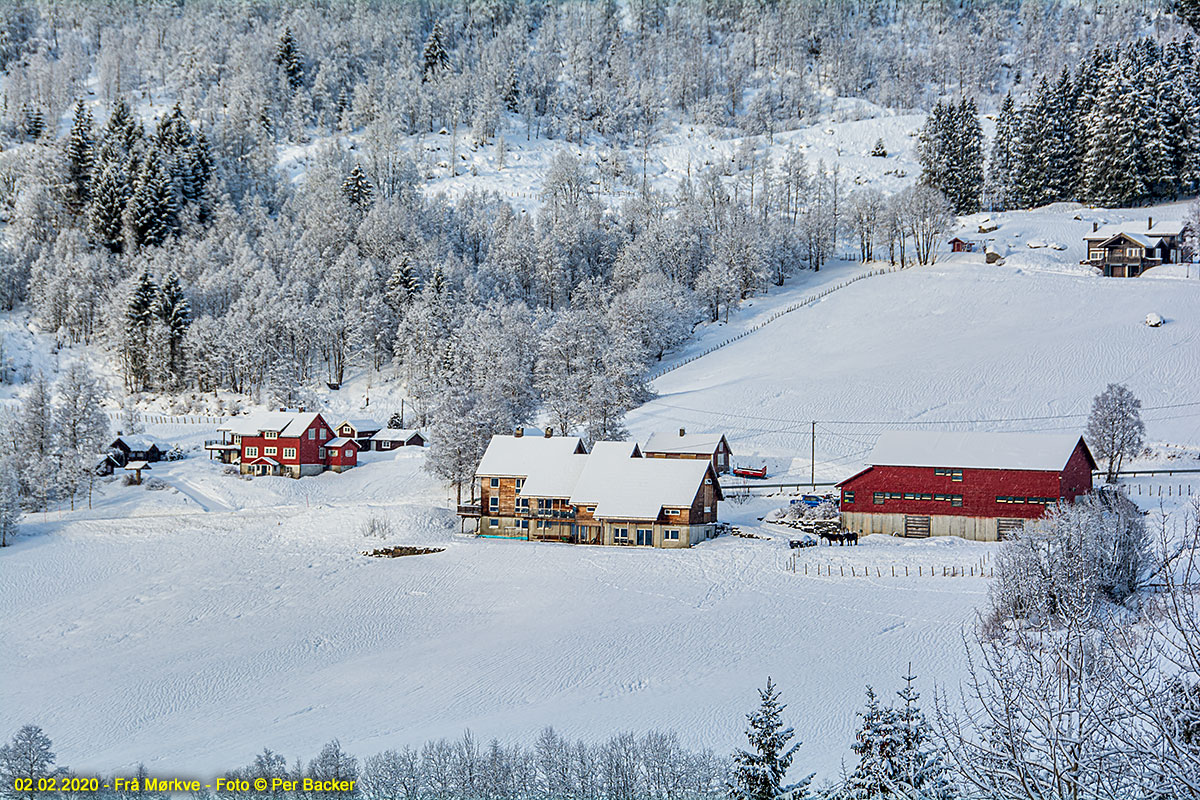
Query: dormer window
270, 434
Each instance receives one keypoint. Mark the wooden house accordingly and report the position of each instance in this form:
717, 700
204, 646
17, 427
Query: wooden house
711, 446
1127, 250
551, 488
391, 438
360, 429
978, 486
288, 443
126, 448
958, 245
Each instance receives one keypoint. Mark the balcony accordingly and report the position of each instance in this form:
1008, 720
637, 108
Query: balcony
469, 510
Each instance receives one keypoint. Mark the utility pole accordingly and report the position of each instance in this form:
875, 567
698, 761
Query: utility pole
813, 458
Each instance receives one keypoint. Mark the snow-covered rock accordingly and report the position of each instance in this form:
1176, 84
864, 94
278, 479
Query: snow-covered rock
1153, 320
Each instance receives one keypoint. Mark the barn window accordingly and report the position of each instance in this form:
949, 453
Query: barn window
847, 497
956, 500
878, 498
956, 475
911, 496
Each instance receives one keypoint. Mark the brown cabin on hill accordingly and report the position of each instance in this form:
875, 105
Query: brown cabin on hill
1126, 250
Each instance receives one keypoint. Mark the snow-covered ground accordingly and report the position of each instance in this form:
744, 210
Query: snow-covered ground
192, 626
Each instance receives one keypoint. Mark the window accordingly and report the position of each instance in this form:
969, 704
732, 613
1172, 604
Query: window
949, 472
672, 512
1096, 255
847, 497
270, 451
671, 535
251, 452
289, 452
493, 523
349, 452
270, 434
523, 505
493, 503
878, 498
347, 430
956, 500
324, 434
621, 535
520, 483
524, 524
911, 496
543, 524
1010, 500
312, 434
591, 509
645, 537
710, 509
494, 483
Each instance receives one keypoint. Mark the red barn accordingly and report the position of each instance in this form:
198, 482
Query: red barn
974, 485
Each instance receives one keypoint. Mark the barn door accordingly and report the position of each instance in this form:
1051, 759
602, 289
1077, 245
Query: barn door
1007, 527
916, 526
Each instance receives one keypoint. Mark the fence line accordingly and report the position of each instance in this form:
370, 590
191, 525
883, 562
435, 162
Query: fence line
807, 301
976, 570
169, 419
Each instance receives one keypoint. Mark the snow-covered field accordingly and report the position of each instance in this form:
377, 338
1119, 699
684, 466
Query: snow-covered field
190, 627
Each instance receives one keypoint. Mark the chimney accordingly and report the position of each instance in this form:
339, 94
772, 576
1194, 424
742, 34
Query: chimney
1149, 223
683, 431
1095, 227
519, 432
549, 432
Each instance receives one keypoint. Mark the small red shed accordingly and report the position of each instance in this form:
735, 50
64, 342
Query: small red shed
958, 245
341, 453
974, 485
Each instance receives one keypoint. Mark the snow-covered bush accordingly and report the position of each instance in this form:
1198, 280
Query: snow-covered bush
1096, 549
175, 454
154, 484
377, 526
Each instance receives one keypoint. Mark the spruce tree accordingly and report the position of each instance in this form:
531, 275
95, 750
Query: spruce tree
173, 311
33, 123
287, 57
110, 193
357, 189
968, 166
79, 153
139, 314
1061, 177
1030, 178
1002, 166
435, 59
759, 773
1114, 167
151, 213
402, 285
511, 91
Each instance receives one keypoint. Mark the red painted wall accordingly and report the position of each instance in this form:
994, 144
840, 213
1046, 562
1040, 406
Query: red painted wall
337, 456
978, 487
307, 450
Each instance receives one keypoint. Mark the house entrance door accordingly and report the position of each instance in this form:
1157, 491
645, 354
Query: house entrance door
645, 537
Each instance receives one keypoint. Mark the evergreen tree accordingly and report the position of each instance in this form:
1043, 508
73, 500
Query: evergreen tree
150, 214
402, 285
139, 314
79, 153
511, 91
880, 149
357, 189
106, 214
951, 154
759, 773
173, 311
287, 57
1114, 167
1029, 183
1003, 163
1061, 177
10, 498
1189, 12
435, 58
33, 123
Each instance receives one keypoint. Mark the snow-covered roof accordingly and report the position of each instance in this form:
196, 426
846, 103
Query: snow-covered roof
396, 434
265, 460
638, 488
287, 423
692, 443
1025, 451
339, 441
360, 424
1166, 227
555, 478
616, 450
137, 442
133, 466
517, 456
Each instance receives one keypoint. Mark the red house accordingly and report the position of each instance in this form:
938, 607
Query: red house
289, 443
975, 485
